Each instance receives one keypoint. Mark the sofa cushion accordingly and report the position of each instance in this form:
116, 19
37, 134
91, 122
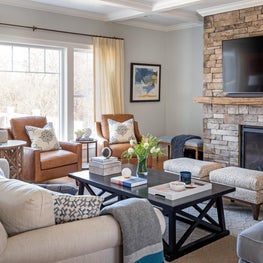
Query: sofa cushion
24, 206
3, 238
70, 208
120, 132
43, 139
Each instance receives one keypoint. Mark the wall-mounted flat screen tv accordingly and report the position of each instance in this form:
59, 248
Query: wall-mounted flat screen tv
243, 67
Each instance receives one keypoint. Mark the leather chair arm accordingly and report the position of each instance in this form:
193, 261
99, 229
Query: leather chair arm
137, 132
101, 141
71, 146
31, 164
75, 148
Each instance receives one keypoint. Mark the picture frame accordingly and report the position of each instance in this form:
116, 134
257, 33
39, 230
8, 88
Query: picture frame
145, 82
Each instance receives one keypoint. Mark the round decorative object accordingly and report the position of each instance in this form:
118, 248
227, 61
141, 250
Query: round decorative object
177, 186
126, 172
106, 152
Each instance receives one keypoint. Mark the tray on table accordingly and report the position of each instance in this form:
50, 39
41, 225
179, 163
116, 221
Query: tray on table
165, 191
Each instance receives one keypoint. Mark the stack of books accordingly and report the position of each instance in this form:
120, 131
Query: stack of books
104, 166
132, 181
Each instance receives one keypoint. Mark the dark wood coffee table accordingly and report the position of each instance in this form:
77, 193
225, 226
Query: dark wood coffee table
175, 210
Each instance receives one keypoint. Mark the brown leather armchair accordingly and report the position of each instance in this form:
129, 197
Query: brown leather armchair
41, 166
102, 131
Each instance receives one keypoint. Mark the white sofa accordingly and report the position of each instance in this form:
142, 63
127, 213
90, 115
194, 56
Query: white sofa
96, 239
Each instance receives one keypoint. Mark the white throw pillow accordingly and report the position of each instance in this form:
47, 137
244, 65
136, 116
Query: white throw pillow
70, 207
24, 206
120, 132
43, 139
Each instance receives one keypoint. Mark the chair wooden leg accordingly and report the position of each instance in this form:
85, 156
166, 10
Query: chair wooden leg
255, 210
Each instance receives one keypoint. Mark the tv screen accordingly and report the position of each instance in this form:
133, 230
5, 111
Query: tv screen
243, 67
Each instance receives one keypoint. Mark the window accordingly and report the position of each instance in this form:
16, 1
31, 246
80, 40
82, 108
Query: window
83, 89
33, 83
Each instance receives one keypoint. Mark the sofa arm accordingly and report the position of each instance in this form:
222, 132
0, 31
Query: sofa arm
161, 219
31, 164
3, 239
4, 165
63, 241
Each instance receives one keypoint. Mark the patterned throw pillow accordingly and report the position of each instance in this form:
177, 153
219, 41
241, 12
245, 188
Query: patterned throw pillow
121, 132
43, 139
70, 208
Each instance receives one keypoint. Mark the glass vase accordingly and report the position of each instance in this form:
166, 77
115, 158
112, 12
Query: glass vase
142, 165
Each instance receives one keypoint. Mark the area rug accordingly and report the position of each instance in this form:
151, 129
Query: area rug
220, 251
238, 217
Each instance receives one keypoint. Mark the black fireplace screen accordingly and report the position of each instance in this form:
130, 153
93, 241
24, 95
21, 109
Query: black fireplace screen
252, 147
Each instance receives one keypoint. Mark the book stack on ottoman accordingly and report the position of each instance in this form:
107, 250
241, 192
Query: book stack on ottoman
104, 166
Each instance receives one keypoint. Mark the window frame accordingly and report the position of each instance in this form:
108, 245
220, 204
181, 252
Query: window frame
66, 108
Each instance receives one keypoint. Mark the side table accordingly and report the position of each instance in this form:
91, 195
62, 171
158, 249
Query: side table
88, 142
12, 151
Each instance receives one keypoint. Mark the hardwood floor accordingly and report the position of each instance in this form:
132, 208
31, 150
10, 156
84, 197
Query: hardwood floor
158, 163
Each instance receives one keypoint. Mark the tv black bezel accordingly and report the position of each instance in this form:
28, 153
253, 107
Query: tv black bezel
247, 94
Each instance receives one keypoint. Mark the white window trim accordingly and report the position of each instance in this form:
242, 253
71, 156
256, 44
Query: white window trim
67, 99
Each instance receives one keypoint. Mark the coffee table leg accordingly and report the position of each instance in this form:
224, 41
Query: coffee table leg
170, 247
81, 188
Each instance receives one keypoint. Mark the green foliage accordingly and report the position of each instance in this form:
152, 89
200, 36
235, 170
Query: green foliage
149, 146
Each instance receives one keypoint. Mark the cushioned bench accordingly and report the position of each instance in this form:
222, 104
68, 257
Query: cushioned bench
248, 184
199, 169
191, 144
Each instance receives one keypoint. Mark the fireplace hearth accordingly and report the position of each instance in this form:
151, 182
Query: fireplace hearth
252, 147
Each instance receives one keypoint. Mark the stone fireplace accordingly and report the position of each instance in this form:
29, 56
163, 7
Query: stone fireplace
223, 117
252, 147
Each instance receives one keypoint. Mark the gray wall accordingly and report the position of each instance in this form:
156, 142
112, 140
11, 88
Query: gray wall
184, 60
178, 52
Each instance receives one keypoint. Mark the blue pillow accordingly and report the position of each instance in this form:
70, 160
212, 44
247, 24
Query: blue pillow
61, 188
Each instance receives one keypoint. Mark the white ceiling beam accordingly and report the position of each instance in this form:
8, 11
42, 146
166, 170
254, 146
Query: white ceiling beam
124, 15
53, 9
185, 16
172, 4
130, 4
229, 7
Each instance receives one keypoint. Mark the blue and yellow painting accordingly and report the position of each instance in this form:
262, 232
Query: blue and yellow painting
146, 83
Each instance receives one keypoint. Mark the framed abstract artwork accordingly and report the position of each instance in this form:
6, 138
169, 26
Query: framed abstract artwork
145, 82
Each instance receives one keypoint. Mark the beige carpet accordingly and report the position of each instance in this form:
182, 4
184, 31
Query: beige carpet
220, 251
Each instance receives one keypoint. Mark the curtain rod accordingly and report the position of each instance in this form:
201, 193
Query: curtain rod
34, 28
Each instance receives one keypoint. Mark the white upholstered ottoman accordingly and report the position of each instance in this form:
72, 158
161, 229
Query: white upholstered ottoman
248, 184
198, 168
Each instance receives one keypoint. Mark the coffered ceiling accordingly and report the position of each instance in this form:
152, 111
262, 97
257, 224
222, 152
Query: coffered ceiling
163, 15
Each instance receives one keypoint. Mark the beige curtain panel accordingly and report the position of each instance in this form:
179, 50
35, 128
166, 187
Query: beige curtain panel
108, 76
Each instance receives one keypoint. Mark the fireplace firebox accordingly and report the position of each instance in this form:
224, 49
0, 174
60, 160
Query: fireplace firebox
252, 147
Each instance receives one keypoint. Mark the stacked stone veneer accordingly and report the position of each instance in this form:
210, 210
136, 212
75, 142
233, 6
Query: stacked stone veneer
222, 122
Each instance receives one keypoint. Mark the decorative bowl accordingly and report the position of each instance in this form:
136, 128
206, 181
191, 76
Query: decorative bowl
177, 186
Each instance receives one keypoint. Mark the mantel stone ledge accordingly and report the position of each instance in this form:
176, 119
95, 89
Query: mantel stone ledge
229, 100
